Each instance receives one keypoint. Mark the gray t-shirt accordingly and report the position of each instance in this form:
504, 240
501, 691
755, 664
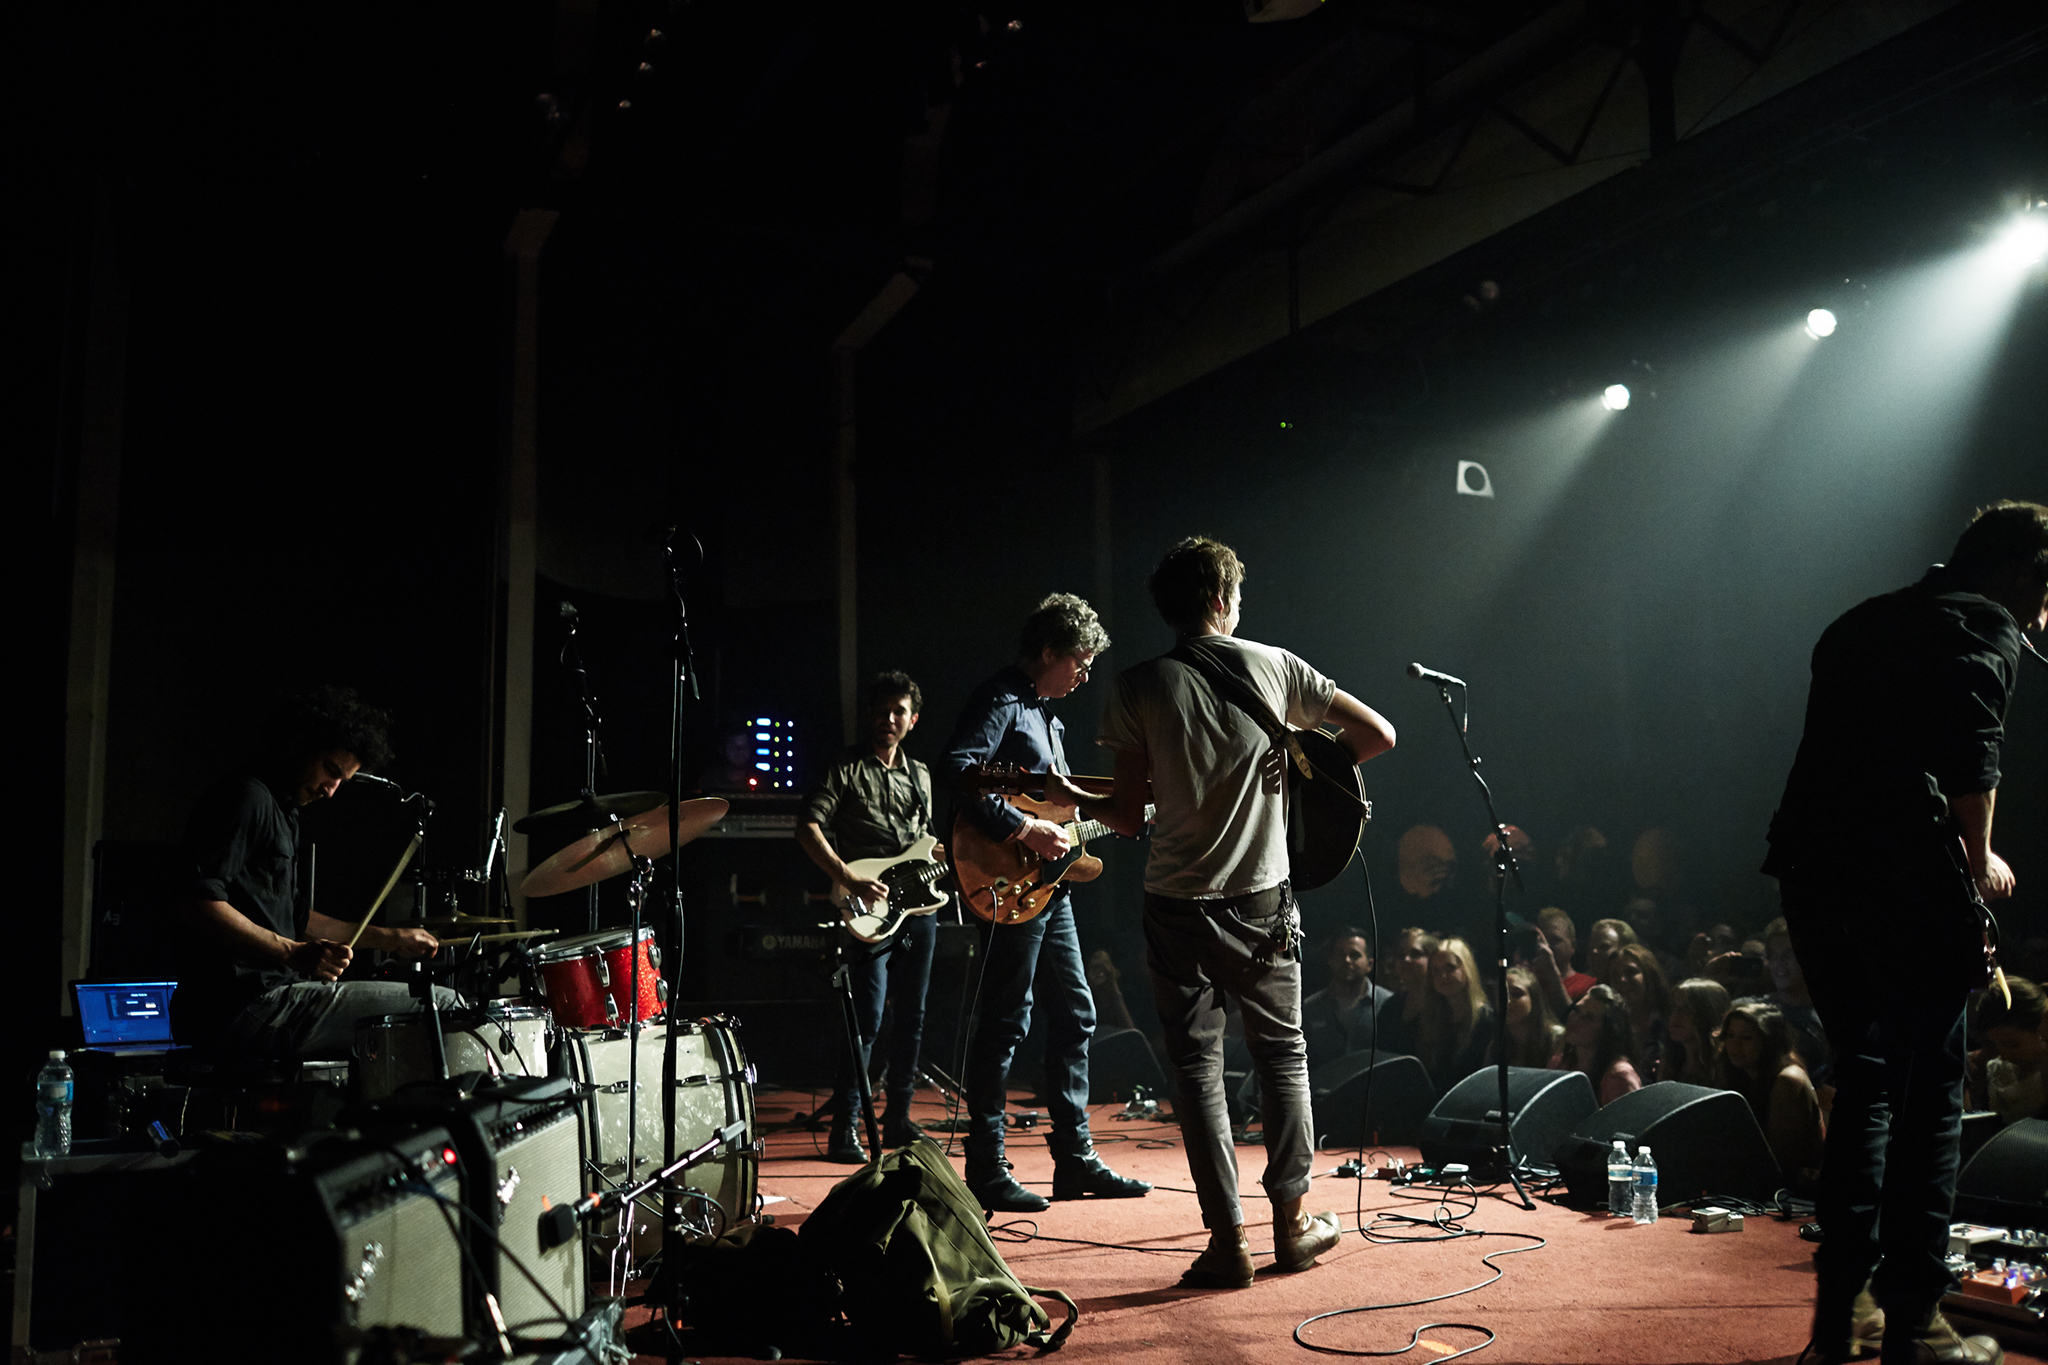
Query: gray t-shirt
1221, 828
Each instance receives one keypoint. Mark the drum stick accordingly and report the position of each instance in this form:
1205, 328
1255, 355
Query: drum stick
1998, 978
396, 873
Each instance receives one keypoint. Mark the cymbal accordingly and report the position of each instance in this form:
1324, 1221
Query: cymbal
587, 813
606, 853
517, 935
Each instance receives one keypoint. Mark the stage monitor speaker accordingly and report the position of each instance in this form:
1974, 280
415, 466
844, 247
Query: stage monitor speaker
82, 1231
1399, 1090
269, 1253
1544, 1106
521, 1153
2006, 1182
1120, 1061
1705, 1141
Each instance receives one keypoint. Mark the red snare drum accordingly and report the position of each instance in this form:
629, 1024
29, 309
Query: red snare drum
586, 978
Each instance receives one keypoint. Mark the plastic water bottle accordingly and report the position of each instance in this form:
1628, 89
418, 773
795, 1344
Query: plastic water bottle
1621, 1181
1646, 1186
53, 1108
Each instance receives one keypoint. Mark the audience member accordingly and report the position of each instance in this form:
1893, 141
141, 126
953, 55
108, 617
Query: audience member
1601, 940
1709, 944
2010, 1082
1697, 1007
1597, 1042
1760, 1062
1339, 1019
1563, 934
1399, 1023
1456, 1040
1637, 978
1788, 994
1534, 1035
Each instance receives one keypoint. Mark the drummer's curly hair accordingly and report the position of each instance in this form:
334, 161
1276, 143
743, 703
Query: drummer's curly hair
324, 719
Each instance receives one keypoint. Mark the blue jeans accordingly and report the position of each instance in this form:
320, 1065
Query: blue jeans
1038, 960
1894, 1018
904, 964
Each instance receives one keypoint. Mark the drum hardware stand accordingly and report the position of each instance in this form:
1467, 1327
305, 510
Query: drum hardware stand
593, 744
842, 985
1505, 867
682, 681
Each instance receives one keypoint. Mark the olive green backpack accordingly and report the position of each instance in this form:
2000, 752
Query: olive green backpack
918, 1272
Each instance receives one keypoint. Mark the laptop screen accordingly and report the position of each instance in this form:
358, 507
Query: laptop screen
125, 1013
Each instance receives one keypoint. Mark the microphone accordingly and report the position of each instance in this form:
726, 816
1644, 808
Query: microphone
568, 611
1430, 675
380, 781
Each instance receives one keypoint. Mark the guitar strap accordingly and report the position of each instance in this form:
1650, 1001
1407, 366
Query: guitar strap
1235, 691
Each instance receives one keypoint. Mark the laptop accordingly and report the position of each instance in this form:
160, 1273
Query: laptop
125, 1018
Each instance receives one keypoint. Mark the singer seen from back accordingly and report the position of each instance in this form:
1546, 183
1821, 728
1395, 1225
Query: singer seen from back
1882, 835
1220, 915
259, 969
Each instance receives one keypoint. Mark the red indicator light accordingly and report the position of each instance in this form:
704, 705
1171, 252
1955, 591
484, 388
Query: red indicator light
448, 1156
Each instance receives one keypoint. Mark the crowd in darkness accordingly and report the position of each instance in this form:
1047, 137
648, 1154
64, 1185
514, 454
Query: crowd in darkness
1647, 994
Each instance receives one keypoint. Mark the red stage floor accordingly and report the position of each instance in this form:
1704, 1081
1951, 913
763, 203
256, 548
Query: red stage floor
1599, 1289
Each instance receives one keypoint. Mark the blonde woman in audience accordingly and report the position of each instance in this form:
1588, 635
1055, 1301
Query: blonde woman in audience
1697, 1008
1534, 1035
1759, 1061
1457, 1039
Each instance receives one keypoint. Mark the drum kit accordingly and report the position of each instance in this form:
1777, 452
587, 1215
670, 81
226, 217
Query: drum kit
592, 1009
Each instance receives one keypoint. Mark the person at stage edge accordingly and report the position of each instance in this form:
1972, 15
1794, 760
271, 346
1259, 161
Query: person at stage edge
1887, 811
1009, 719
875, 801
1220, 916
258, 967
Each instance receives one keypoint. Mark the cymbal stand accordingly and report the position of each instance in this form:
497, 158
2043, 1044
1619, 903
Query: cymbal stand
1506, 867
682, 679
636, 895
420, 980
593, 727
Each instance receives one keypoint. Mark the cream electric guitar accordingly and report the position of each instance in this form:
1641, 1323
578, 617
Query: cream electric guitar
910, 877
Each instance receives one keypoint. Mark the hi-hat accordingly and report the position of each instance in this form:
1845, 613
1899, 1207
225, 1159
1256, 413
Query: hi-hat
441, 927
607, 852
588, 813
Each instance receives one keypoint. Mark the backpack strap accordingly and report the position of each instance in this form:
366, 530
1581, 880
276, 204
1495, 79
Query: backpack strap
1048, 1342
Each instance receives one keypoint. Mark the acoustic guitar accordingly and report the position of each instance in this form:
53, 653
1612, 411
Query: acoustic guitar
1002, 880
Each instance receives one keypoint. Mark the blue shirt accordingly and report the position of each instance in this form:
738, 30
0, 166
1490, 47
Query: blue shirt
1004, 721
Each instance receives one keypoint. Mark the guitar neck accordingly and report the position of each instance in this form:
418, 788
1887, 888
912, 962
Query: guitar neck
1081, 831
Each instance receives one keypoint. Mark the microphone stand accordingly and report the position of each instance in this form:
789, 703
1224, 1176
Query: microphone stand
1505, 867
593, 746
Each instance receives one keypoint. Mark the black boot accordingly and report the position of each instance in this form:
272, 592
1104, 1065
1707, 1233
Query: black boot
1083, 1174
898, 1130
844, 1146
999, 1191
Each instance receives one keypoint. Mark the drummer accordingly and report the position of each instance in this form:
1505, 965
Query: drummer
258, 969
875, 801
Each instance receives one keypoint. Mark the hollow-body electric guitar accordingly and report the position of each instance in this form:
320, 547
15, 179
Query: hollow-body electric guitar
910, 876
1003, 880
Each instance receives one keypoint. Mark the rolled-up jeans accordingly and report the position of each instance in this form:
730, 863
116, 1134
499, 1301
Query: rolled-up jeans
1200, 951
313, 1021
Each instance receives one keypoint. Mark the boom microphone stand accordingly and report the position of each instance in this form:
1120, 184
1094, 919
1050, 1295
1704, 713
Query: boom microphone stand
593, 744
1505, 867
682, 677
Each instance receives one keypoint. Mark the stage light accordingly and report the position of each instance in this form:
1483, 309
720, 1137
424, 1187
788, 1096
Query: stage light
1615, 398
2024, 243
1820, 323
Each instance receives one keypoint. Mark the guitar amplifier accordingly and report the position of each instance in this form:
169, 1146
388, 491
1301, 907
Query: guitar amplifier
521, 1148
268, 1253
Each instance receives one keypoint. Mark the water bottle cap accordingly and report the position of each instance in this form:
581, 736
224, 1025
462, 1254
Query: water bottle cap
57, 1054
1642, 1151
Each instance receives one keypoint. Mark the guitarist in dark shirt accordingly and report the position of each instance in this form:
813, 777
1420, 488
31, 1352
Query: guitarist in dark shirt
876, 800
1009, 719
1883, 835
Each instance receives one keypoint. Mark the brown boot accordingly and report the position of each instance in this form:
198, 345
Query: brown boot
1225, 1264
1936, 1342
1297, 1238
1837, 1342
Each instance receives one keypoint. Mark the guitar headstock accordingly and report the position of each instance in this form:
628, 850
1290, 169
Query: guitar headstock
1003, 779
